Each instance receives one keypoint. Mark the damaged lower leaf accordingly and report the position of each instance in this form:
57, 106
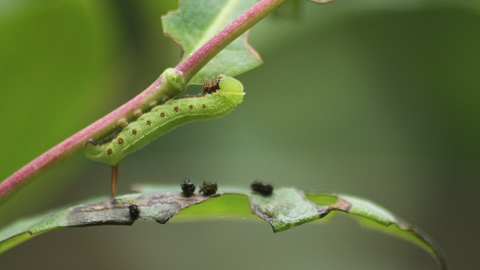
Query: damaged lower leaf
376, 217
283, 208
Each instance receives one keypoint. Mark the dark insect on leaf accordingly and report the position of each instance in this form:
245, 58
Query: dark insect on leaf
261, 187
134, 211
211, 86
188, 187
208, 188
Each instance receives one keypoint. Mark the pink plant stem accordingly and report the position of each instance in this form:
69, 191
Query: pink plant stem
70, 147
190, 66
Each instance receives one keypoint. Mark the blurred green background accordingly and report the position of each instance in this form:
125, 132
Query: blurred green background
379, 99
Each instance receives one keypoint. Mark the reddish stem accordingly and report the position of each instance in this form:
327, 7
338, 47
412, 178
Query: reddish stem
114, 182
70, 147
190, 66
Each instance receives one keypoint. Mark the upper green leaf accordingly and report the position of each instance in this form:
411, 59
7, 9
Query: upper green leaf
283, 209
195, 23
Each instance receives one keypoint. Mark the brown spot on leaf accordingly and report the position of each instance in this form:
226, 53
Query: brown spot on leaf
341, 205
166, 204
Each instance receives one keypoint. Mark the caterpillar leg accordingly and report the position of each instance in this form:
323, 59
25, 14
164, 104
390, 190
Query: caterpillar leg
93, 142
114, 183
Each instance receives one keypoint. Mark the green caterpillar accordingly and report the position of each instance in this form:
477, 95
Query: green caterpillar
220, 96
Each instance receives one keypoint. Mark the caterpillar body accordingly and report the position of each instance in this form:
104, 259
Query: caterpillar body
220, 96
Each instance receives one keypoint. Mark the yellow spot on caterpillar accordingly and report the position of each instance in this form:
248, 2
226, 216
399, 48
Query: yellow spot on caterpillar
120, 141
149, 122
152, 103
137, 113
175, 109
109, 152
190, 107
122, 122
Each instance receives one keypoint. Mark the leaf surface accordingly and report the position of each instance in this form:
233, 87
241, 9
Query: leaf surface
285, 208
195, 23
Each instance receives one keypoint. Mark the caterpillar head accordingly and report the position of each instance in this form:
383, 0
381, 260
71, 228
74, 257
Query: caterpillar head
229, 84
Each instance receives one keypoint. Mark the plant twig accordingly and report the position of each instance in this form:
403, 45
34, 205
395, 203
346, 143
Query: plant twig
189, 67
